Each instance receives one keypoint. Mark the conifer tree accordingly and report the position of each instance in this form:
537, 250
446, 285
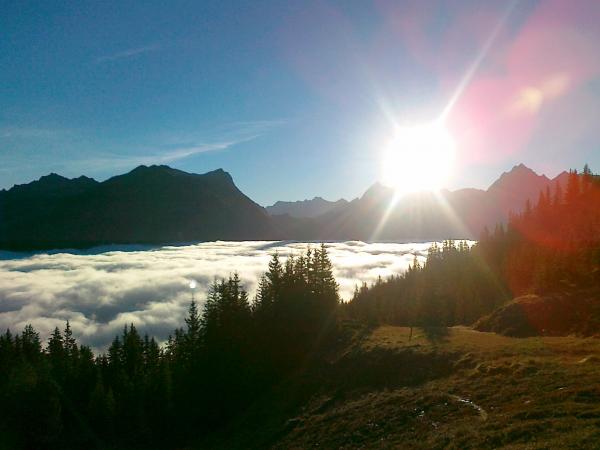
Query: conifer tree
573, 187
193, 330
70, 344
558, 195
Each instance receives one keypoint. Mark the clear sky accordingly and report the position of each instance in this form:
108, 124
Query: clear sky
295, 98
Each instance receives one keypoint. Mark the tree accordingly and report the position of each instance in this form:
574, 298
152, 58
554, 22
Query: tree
192, 335
30, 345
70, 344
139, 394
55, 348
558, 195
56, 354
586, 178
573, 187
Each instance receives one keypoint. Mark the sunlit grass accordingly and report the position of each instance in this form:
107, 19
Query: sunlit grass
463, 390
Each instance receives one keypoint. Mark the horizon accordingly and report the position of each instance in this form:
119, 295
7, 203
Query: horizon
323, 197
298, 101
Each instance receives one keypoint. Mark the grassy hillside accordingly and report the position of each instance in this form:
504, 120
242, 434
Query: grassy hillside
455, 389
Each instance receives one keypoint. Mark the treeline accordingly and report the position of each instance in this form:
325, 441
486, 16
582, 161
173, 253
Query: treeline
143, 395
453, 286
551, 246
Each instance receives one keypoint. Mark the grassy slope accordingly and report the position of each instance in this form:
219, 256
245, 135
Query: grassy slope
464, 390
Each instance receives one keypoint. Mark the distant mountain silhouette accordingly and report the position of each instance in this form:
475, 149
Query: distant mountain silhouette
378, 215
305, 208
512, 190
158, 204
154, 204
54, 185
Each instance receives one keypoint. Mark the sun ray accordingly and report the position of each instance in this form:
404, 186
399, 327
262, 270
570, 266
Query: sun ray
472, 69
436, 149
454, 218
384, 217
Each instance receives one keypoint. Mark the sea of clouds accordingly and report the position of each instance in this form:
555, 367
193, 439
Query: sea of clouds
101, 290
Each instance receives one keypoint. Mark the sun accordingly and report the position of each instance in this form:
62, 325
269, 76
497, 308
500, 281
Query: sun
419, 158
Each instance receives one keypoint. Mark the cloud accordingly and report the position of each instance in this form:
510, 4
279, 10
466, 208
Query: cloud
160, 148
101, 290
167, 148
113, 161
127, 53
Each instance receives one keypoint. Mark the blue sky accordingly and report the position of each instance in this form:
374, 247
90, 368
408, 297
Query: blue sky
294, 99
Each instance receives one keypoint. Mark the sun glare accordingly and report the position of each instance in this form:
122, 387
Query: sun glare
419, 158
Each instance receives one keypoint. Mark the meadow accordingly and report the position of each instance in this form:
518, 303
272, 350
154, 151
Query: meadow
445, 388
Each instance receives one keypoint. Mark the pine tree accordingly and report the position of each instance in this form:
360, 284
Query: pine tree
132, 352
56, 354
573, 187
30, 344
55, 346
275, 274
586, 178
193, 323
70, 343
7, 355
558, 195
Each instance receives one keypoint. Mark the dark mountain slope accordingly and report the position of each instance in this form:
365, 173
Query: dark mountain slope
305, 208
147, 205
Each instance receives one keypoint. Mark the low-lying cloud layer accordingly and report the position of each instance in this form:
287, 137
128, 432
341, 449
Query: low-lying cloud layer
100, 291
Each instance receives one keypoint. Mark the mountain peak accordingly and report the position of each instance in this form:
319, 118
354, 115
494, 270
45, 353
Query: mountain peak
376, 191
83, 178
220, 174
521, 168
163, 173
52, 178
218, 171
151, 169
518, 170
54, 184
519, 176
304, 208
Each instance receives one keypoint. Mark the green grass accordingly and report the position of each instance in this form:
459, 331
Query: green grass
464, 390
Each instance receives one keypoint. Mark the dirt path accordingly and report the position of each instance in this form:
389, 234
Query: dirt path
482, 413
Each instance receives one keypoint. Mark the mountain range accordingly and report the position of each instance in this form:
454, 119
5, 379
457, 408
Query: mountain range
380, 215
154, 204
305, 208
158, 204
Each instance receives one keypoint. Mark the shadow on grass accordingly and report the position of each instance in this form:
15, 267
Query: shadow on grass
436, 335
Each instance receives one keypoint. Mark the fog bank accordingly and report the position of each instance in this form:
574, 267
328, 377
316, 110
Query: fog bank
101, 290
